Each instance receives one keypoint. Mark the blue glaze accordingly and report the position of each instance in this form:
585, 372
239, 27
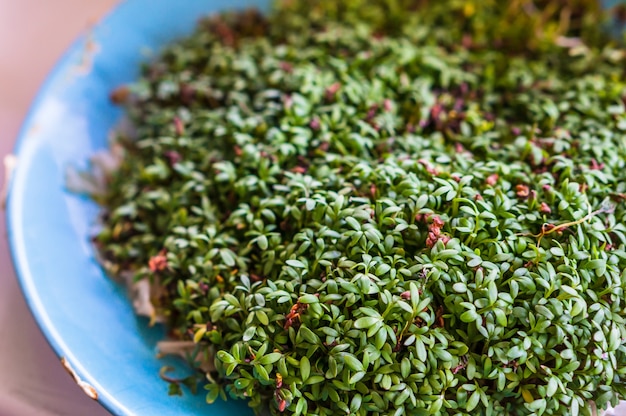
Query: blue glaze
85, 316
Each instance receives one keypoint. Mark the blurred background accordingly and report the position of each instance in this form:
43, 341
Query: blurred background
33, 34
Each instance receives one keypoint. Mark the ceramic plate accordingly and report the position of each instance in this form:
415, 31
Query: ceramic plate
86, 317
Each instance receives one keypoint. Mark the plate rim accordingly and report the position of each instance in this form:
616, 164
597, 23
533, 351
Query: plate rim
27, 146
15, 183
15, 234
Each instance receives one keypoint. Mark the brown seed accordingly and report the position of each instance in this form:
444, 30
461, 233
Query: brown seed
282, 405
158, 263
315, 124
467, 41
119, 95
179, 126
331, 91
298, 169
545, 208
429, 168
286, 66
173, 157
288, 101
438, 222
387, 105
371, 113
492, 179
522, 191
594, 165
187, 94
373, 190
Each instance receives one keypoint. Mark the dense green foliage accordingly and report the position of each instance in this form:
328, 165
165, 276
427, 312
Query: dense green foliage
387, 207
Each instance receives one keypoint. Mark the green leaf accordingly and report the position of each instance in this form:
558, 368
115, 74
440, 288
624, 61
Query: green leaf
354, 224
227, 257
213, 392
366, 322
356, 377
405, 367
308, 299
382, 269
314, 380
435, 406
473, 401
352, 362
300, 406
471, 369
557, 251
242, 383
515, 352
553, 385
262, 317
492, 292
381, 335
296, 263
174, 389
469, 316
199, 334
270, 358
459, 287
305, 368
262, 242
415, 298
578, 307
308, 335
538, 405
574, 408
225, 357
598, 265
544, 311
420, 349
474, 262
230, 368
501, 318
443, 355
249, 333
404, 306
355, 403
262, 372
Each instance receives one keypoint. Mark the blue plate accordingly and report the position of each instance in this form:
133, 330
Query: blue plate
86, 317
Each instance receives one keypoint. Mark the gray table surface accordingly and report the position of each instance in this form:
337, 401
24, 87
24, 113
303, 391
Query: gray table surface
33, 34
